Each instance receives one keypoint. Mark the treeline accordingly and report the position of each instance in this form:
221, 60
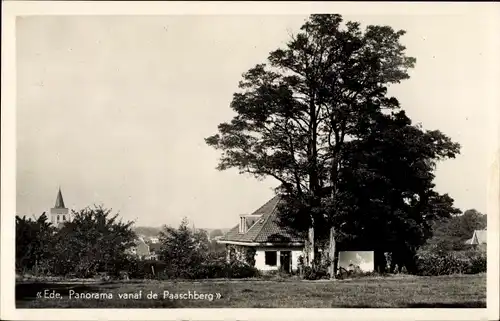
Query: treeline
96, 243
447, 252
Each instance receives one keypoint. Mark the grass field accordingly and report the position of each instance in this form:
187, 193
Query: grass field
456, 291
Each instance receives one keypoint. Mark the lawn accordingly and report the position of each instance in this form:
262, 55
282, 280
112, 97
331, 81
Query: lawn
467, 291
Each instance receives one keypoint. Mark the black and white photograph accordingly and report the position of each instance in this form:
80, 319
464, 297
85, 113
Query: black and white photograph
252, 160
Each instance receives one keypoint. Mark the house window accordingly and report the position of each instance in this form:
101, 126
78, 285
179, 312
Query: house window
271, 258
58, 217
64, 217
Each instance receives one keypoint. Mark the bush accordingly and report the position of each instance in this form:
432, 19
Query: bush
222, 269
319, 270
239, 270
209, 269
445, 263
356, 272
214, 267
276, 275
145, 269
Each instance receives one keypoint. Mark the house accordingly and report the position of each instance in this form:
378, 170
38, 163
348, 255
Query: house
154, 251
478, 238
140, 249
275, 247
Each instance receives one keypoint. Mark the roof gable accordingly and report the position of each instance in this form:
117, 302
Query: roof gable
479, 237
265, 229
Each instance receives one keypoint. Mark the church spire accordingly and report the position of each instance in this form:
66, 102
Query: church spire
59, 200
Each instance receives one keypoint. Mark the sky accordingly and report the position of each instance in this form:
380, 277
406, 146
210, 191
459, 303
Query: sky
115, 109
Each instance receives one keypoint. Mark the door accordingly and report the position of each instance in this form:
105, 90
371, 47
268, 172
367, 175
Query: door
285, 261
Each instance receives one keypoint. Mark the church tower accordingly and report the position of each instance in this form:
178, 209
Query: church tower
59, 213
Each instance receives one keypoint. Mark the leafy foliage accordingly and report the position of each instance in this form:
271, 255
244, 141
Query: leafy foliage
250, 256
451, 234
33, 242
189, 255
317, 118
95, 241
183, 249
444, 263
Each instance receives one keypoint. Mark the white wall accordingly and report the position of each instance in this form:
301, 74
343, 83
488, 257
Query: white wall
363, 259
260, 257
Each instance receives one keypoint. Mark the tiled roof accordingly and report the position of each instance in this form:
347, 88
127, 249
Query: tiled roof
266, 229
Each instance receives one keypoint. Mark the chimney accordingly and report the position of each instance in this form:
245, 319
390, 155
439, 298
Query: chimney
243, 224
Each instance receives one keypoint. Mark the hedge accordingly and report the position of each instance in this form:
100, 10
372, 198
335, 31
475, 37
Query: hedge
445, 263
206, 270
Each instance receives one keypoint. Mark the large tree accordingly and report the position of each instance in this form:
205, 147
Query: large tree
183, 249
298, 115
388, 187
95, 240
33, 243
450, 234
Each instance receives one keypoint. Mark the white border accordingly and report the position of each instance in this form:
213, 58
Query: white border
11, 9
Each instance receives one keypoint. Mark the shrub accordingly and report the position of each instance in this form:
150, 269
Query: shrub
308, 273
250, 256
221, 269
318, 270
242, 270
355, 273
444, 263
145, 269
212, 268
276, 275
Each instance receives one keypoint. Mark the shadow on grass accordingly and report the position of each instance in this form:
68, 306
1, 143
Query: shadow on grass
430, 305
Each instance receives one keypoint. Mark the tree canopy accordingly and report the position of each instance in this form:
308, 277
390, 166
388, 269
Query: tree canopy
318, 119
32, 246
183, 249
450, 234
94, 241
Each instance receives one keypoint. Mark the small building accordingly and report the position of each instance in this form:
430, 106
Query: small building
140, 249
154, 251
275, 248
478, 238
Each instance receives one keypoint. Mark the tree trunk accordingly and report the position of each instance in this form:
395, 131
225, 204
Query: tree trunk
310, 247
332, 252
